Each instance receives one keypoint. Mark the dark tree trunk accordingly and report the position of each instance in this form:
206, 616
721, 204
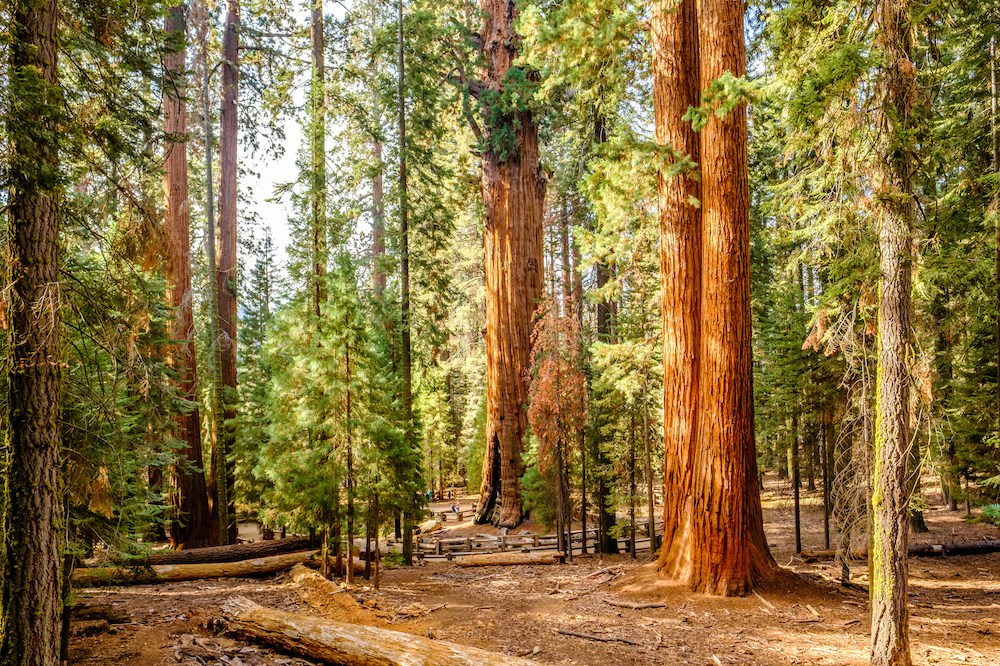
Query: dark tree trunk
222, 469
404, 268
513, 187
32, 530
607, 542
190, 524
893, 191
796, 483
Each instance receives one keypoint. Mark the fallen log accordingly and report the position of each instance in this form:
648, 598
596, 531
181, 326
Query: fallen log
330, 599
260, 566
350, 644
933, 550
88, 612
509, 559
428, 526
595, 637
231, 553
635, 605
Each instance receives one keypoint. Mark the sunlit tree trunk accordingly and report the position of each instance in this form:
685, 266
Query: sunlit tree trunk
893, 193
190, 525
714, 535
675, 87
32, 530
513, 187
222, 470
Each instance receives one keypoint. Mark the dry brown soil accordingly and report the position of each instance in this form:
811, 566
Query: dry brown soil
806, 617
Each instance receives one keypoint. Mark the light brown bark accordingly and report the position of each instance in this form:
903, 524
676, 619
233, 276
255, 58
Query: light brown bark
191, 525
893, 188
222, 471
32, 530
350, 644
513, 187
231, 553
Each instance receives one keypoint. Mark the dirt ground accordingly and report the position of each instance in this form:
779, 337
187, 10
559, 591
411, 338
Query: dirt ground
805, 617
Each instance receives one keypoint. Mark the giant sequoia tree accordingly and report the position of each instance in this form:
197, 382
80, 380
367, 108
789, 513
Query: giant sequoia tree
513, 188
226, 277
31, 528
713, 532
190, 526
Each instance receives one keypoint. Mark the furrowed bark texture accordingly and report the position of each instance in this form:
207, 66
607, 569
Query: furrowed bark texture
190, 525
513, 194
713, 534
31, 531
893, 187
226, 275
675, 87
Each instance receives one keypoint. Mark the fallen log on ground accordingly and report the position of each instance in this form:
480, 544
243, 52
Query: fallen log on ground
260, 566
934, 550
350, 644
427, 526
330, 599
508, 559
231, 553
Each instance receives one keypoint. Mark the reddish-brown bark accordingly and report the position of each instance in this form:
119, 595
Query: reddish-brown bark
713, 531
675, 87
513, 195
222, 472
190, 525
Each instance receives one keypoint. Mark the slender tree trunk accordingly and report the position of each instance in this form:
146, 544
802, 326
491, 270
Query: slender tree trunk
631, 486
675, 88
513, 187
578, 305
317, 141
827, 473
651, 509
893, 191
218, 391
226, 276
404, 266
190, 525
995, 127
606, 515
31, 527
350, 464
796, 483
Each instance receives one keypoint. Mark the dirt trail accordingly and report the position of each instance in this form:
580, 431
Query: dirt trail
534, 611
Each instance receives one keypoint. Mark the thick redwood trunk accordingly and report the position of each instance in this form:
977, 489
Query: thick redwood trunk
675, 87
714, 534
222, 471
513, 194
191, 525
893, 190
32, 530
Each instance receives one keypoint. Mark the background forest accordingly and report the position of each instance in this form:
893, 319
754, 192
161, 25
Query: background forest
207, 378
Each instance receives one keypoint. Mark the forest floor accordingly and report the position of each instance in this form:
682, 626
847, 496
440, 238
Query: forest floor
803, 618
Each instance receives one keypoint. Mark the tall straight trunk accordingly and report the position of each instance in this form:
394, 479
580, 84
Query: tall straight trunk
404, 279
317, 157
893, 189
631, 486
796, 483
578, 306
31, 527
827, 473
675, 88
350, 462
607, 542
215, 356
648, 459
995, 131
513, 187
222, 469
727, 540
190, 525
